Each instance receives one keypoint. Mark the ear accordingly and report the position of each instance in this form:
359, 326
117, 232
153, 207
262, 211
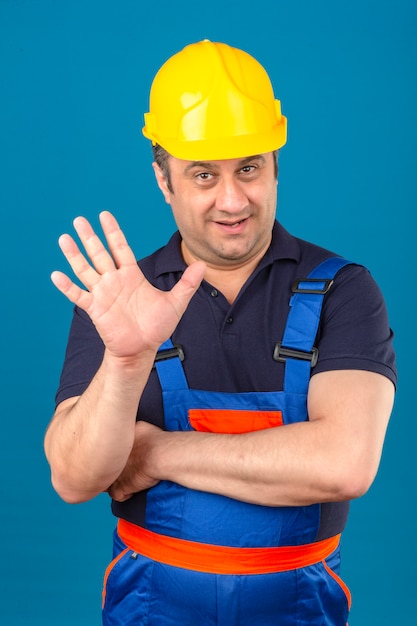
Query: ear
162, 183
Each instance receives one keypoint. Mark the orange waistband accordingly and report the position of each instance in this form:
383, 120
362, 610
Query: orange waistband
213, 559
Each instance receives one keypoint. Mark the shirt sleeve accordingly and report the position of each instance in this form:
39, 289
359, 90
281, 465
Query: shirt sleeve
354, 331
83, 357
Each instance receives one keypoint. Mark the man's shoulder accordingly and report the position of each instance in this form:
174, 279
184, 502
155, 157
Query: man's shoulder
301, 254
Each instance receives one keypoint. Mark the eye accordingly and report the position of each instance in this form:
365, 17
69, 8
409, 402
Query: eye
205, 179
204, 176
248, 172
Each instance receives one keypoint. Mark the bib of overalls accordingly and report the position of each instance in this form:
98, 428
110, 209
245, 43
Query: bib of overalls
184, 513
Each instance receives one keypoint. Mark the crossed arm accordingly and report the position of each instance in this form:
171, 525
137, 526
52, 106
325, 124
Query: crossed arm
332, 457
94, 443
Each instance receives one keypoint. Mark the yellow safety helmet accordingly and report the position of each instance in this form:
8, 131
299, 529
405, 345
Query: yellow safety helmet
211, 101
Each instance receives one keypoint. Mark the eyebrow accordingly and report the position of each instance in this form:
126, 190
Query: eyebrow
208, 164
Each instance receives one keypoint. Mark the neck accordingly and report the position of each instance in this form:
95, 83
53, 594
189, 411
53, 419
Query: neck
229, 281
228, 278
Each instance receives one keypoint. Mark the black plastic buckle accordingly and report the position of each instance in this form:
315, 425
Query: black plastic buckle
328, 282
170, 353
282, 354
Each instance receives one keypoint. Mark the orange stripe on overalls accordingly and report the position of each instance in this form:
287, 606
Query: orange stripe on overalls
214, 559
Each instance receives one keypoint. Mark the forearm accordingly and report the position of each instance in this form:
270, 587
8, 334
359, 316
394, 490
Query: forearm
332, 457
285, 466
88, 443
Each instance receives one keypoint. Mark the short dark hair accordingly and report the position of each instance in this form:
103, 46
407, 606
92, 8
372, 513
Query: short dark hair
161, 157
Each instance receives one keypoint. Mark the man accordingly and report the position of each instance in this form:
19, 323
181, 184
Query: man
232, 391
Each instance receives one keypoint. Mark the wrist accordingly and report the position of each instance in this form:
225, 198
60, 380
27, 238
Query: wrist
129, 363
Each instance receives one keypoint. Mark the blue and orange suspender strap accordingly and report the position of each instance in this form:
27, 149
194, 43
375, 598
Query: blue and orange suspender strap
296, 349
297, 346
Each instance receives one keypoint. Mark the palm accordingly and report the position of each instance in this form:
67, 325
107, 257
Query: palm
129, 313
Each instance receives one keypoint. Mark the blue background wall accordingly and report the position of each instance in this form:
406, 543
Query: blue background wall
74, 81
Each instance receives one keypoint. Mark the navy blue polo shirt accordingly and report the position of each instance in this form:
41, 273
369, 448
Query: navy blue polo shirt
230, 347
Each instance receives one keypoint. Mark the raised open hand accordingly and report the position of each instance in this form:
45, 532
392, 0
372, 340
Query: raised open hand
130, 314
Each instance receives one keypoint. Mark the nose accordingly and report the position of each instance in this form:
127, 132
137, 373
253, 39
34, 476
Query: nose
231, 197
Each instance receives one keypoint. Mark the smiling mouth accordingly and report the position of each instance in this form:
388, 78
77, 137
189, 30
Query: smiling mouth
233, 224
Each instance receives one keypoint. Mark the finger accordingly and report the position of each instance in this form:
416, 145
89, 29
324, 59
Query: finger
116, 240
75, 294
97, 252
121, 497
79, 264
117, 493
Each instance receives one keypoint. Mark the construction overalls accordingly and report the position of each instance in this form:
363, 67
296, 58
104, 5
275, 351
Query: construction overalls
209, 560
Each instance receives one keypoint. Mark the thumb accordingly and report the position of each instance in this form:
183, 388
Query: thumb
188, 284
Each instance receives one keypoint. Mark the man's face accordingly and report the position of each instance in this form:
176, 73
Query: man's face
224, 209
